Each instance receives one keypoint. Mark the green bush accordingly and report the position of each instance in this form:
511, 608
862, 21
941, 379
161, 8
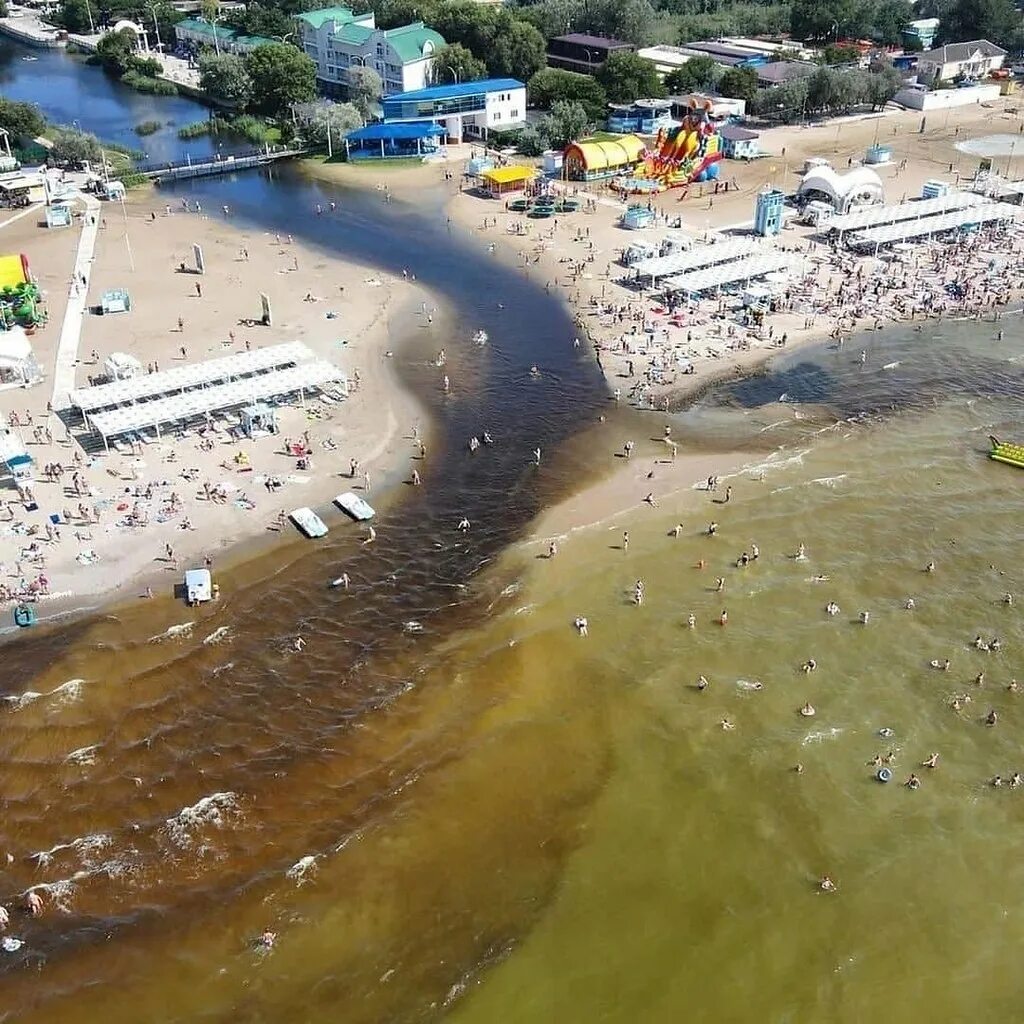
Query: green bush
148, 128
252, 128
132, 179
153, 86
196, 129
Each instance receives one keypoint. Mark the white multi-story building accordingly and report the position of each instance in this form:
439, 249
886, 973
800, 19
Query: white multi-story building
464, 109
337, 40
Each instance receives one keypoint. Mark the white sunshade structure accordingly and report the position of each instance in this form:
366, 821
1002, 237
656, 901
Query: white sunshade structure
694, 259
927, 226
874, 216
146, 387
747, 269
202, 402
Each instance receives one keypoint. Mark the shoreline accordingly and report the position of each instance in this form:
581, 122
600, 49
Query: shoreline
378, 325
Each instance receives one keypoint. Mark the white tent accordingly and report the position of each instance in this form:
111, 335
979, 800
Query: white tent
692, 259
711, 278
859, 187
957, 220
873, 216
17, 363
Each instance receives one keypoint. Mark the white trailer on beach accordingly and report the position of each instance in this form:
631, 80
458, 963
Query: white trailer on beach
198, 586
308, 522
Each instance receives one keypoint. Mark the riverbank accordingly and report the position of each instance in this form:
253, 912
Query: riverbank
131, 520
657, 354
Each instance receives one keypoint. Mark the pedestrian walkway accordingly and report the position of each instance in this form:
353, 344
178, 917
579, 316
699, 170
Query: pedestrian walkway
71, 328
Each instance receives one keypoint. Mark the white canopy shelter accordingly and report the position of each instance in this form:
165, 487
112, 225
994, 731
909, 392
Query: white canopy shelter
873, 216
711, 278
203, 402
692, 259
971, 217
188, 376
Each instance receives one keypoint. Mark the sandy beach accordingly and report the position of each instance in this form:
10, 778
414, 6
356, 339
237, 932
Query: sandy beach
656, 357
134, 518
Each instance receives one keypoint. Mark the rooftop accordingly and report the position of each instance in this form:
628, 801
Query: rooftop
784, 71
400, 130
603, 42
734, 133
953, 52
447, 92
341, 15
414, 42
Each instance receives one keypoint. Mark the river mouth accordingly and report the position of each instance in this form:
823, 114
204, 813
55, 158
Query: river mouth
400, 804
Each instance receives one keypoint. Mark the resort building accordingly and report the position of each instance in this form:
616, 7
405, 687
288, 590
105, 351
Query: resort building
591, 161
667, 58
582, 53
739, 143
975, 59
337, 40
193, 34
466, 109
645, 117
920, 34
779, 71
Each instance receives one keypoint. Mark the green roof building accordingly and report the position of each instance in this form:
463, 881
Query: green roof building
338, 40
196, 33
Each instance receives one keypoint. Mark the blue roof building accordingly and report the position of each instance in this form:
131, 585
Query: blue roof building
399, 139
465, 108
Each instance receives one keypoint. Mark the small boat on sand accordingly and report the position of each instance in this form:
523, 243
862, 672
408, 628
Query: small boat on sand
358, 509
308, 522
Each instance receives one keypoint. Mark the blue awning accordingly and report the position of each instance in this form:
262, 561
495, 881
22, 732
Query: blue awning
397, 131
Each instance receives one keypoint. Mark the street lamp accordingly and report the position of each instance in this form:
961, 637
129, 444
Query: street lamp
285, 37
455, 73
156, 26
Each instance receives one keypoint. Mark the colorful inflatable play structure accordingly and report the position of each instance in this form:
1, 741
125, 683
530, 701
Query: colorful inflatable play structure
681, 155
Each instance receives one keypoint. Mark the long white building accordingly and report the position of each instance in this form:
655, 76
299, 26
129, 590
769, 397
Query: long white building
337, 40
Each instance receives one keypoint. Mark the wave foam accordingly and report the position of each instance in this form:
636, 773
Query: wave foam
216, 810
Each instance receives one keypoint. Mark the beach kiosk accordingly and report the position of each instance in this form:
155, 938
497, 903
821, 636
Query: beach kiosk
116, 300
500, 181
198, 586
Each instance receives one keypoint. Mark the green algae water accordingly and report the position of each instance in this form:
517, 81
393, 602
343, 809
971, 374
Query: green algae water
693, 894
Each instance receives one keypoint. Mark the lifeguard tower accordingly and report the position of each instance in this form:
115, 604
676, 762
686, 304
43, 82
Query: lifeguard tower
768, 212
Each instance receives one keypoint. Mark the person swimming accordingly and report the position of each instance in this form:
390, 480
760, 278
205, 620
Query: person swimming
702, 683
865, 617
808, 710
942, 665
809, 665
831, 608
931, 761
913, 782
825, 884
909, 604
691, 621
581, 625
723, 619
801, 553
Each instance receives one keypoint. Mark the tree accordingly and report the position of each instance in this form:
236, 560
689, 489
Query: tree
882, 85
696, 75
72, 148
258, 20
315, 117
532, 142
739, 84
551, 84
22, 120
517, 50
365, 90
115, 51
891, 16
454, 61
998, 21
567, 121
834, 55
223, 77
281, 75
824, 20
74, 15
626, 77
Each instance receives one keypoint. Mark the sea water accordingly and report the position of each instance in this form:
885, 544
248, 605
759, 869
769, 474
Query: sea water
537, 826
